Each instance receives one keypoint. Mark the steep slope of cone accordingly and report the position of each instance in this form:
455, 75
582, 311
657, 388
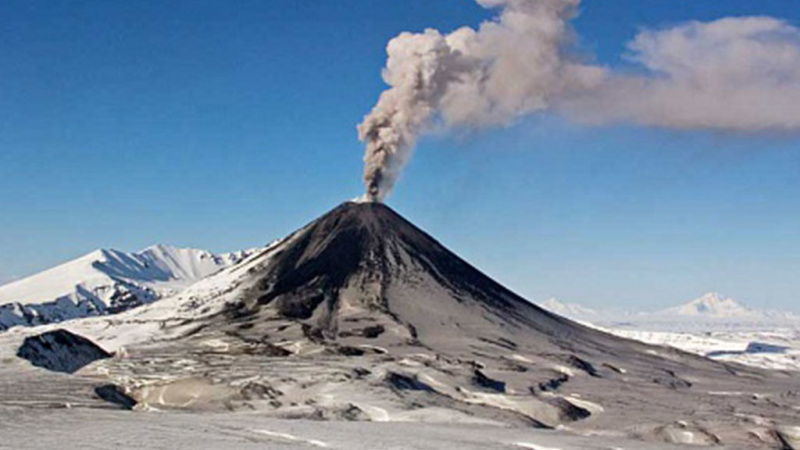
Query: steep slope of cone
363, 261
362, 267
364, 255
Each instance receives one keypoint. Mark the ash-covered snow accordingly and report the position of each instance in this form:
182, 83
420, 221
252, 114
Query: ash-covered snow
103, 429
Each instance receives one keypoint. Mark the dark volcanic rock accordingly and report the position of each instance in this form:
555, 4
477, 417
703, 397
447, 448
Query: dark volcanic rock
60, 351
568, 411
406, 383
553, 383
583, 365
482, 380
373, 332
253, 390
116, 395
672, 381
350, 351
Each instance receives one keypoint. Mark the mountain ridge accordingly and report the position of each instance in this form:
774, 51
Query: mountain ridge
106, 281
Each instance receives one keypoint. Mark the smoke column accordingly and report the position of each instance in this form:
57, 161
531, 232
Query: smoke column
508, 67
740, 74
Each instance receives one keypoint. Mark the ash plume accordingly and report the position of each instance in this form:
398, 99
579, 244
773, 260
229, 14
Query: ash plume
736, 74
508, 67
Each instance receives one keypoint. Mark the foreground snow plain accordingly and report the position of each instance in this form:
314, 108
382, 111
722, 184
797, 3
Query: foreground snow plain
97, 429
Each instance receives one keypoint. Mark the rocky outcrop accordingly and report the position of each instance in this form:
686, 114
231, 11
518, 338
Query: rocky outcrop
60, 351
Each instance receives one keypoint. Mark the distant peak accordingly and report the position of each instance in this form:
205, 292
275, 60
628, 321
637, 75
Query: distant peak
712, 304
552, 302
96, 254
364, 204
159, 248
566, 309
365, 214
99, 255
167, 250
715, 300
363, 199
714, 297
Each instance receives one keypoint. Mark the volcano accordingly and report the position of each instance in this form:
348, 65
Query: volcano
363, 263
360, 315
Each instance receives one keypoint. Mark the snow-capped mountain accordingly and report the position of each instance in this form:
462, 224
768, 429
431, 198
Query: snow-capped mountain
572, 310
712, 305
106, 282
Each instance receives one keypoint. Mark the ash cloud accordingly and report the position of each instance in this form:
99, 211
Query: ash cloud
735, 74
739, 74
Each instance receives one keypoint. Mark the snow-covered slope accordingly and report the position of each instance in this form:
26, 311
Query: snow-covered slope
106, 282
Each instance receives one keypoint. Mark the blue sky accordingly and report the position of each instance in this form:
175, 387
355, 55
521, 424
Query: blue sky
197, 123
